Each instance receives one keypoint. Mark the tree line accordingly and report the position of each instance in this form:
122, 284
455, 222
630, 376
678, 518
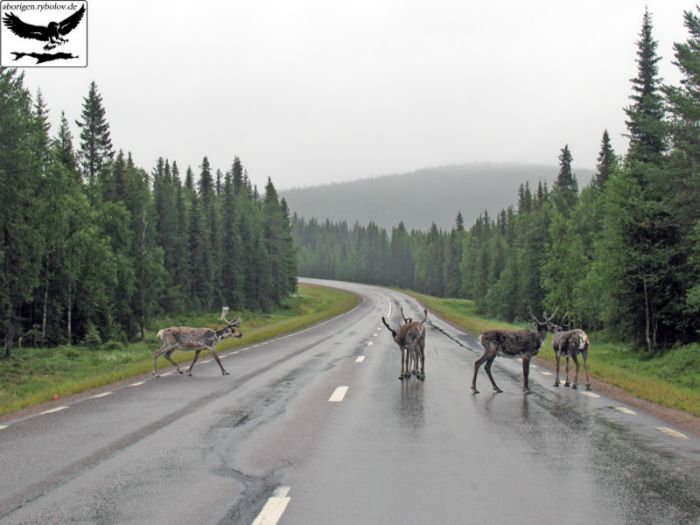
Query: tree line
621, 254
93, 247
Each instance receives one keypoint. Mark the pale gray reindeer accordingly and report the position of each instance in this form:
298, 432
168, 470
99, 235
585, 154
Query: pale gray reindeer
410, 337
195, 339
511, 343
570, 343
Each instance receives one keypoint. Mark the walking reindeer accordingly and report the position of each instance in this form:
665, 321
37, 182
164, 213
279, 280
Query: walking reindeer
511, 343
410, 337
570, 343
195, 339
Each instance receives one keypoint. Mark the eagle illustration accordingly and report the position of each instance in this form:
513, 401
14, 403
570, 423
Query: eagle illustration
53, 33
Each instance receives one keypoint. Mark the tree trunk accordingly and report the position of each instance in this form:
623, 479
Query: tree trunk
646, 315
46, 303
69, 326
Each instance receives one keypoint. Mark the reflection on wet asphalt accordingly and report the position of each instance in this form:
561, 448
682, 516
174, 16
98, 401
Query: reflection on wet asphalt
213, 450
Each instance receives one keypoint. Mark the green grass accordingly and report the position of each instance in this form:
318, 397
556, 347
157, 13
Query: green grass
670, 378
35, 375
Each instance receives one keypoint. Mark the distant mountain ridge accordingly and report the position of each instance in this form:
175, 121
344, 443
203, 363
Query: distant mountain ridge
422, 197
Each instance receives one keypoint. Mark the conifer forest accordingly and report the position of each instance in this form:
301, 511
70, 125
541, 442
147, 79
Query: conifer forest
93, 246
621, 254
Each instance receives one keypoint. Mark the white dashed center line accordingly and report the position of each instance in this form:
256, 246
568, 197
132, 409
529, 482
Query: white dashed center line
103, 394
338, 394
671, 432
138, 383
52, 410
626, 410
360, 359
206, 361
370, 343
166, 374
547, 374
3, 427
375, 335
590, 394
534, 366
274, 507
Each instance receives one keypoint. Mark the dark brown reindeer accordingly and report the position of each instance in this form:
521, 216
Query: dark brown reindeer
570, 343
410, 337
511, 343
195, 339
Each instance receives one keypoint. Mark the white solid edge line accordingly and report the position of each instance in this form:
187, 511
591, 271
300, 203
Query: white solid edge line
547, 374
534, 366
671, 432
3, 427
590, 394
274, 508
360, 359
626, 410
338, 394
103, 394
138, 383
53, 410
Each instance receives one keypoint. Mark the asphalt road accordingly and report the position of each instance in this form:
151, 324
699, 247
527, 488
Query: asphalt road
268, 443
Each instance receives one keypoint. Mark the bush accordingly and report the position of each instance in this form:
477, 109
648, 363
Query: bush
113, 345
92, 337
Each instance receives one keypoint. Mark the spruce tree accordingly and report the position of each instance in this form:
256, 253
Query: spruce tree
606, 163
565, 189
647, 130
96, 151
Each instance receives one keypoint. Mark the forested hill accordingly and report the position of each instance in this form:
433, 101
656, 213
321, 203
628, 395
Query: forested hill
425, 196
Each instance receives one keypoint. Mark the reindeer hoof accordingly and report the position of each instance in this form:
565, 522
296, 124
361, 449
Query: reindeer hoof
401, 377
588, 386
474, 390
180, 371
421, 377
574, 387
497, 390
225, 373
556, 384
567, 384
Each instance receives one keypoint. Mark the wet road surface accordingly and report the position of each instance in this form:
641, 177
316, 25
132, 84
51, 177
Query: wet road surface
317, 428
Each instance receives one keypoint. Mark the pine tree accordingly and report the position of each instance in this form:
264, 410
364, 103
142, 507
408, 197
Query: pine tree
63, 146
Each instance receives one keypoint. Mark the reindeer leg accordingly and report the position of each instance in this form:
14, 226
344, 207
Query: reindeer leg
163, 349
218, 361
403, 358
556, 380
196, 356
167, 356
487, 367
526, 374
585, 368
477, 364
567, 371
422, 364
575, 358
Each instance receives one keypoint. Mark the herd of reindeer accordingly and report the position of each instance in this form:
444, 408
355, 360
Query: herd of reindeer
410, 338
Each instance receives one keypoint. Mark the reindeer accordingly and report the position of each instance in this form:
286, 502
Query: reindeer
411, 340
511, 343
196, 339
570, 343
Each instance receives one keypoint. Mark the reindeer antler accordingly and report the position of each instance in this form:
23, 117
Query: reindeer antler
533, 315
233, 324
426, 316
389, 327
549, 319
405, 319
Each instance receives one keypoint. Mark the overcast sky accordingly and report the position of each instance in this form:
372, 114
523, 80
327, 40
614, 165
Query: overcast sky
317, 91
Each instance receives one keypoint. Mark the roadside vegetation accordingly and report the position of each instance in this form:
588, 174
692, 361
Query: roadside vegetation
35, 375
670, 378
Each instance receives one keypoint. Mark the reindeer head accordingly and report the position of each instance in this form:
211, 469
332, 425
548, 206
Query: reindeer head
231, 329
543, 326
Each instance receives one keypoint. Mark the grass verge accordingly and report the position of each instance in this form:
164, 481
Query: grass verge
36, 375
670, 378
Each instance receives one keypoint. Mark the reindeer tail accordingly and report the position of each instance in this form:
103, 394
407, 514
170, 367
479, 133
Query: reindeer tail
160, 333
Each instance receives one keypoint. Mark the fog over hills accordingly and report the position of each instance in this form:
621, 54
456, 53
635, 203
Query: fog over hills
422, 197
